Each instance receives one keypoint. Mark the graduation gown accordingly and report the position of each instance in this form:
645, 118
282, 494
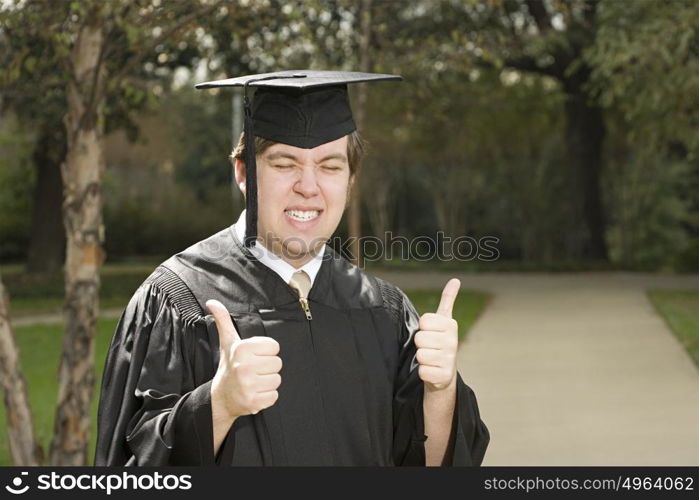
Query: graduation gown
350, 391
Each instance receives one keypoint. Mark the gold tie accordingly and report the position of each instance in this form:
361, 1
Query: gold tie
302, 284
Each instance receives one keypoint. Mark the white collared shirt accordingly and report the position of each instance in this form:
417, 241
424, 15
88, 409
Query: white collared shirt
276, 263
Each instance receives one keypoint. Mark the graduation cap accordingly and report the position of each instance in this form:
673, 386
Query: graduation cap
300, 108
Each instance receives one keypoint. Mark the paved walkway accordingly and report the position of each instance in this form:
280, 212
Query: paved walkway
578, 369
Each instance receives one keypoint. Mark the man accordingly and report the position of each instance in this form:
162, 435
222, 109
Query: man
261, 346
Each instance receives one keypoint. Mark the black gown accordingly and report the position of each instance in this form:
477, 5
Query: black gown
350, 391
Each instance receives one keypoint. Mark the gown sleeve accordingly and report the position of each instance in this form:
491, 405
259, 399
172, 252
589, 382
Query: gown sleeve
470, 434
155, 403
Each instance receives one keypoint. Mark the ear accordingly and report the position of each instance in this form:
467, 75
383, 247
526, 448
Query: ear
240, 171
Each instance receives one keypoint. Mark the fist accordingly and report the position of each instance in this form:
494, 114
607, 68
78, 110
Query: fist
437, 342
247, 376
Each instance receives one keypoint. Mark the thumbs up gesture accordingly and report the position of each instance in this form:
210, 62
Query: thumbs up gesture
437, 342
247, 376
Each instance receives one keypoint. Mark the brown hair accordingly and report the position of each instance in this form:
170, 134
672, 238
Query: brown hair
355, 150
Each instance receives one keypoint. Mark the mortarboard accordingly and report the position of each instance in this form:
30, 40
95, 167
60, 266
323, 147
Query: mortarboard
301, 108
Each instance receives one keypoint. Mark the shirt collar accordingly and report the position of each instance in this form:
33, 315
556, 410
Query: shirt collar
275, 262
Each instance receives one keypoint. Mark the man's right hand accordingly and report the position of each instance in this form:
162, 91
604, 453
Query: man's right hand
247, 377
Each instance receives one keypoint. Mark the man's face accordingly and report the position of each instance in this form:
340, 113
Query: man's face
302, 194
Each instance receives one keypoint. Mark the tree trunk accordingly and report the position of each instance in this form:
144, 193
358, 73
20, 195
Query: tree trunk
355, 209
380, 199
585, 133
20, 425
82, 217
47, 241
355, 224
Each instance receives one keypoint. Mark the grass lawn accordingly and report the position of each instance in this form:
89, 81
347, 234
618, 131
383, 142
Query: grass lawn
40, 347
680, 308
468, 305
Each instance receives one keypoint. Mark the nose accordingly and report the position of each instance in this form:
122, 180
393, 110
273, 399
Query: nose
307, 184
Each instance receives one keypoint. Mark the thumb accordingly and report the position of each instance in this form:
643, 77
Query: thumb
227, 334
446, 304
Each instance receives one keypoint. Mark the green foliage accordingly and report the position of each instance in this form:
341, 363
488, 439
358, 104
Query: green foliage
688, 260
174, 189
17, 181
142, 43
166, 222
646, 61
471, 143
646, 64
201, 130
647, 229
442, 136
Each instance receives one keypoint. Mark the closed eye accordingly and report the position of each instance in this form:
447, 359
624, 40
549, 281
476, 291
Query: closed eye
331, 168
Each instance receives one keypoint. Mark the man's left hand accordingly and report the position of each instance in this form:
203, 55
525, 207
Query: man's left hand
437, 342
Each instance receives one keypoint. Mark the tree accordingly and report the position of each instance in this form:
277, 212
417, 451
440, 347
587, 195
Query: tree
94, 27
34, 90
23, 445
550, 39
365, 63
47, 238
645, 59
27, 54
88, 38
545, 38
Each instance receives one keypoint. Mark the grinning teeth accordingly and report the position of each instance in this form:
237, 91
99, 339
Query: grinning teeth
301, 215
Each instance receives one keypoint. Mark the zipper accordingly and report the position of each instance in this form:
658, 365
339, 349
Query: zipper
306, 308
329, 445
